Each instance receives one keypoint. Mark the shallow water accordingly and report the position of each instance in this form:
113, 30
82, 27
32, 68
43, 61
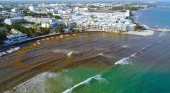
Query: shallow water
97, 63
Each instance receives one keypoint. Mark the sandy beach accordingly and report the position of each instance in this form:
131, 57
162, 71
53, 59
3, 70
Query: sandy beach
141, 33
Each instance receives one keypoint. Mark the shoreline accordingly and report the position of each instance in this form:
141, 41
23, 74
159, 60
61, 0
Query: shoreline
53, 34
154, 28
139, 33
57, 34
44, 36
135, 14
31, 61
88, 30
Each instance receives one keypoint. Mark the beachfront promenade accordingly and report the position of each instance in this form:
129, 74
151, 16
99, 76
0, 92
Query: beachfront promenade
33, 38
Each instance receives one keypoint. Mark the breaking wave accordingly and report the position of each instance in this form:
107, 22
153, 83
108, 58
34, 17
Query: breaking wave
124, 61
37, 84
87, 81
105, 55
100, 48
147, 47
68, 52
124, 46
134, 55
41, 84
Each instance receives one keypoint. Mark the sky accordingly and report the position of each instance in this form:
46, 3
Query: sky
84, 0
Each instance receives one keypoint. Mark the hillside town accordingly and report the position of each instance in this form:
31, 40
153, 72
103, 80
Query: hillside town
23, 20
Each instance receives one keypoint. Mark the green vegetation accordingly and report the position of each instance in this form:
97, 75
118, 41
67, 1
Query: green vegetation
59, 30
57, 17
29, 31
20, 28
131, 8
2, 36
44, 30
138, 27
133, 21
1, 9
77, 31
25, 22
6, 9
25, 13
89, 26
1, 22
83, 28
54, 16
92, 6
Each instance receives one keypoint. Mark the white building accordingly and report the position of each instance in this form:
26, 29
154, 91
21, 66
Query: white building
14, 10
3, 13
15, 14
50, 24
105, 21
70, 23
37, 20
15, 36
11, 21
31, 8
45, 22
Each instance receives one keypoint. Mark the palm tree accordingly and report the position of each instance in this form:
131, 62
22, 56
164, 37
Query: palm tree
88, 26
77, 30
60, 30
83, 28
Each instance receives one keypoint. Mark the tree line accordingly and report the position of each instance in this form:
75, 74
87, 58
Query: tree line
26, 13
131, 8
31, 31
2, 36
54, 16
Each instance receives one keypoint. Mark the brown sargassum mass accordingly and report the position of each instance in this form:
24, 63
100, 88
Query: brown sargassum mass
31, 60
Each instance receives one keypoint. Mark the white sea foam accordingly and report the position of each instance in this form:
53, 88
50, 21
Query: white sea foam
87, 81
142, 33
37, 84
124, 46
101, 54
70, 53
124, 61
105, 55
100, 48
133, 55
40, 83
144, 48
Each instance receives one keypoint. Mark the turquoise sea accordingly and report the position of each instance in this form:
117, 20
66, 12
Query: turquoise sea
155, 17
